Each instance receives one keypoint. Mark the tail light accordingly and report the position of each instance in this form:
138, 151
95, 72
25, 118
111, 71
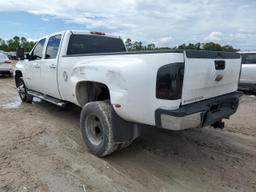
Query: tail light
170, 81
8, 62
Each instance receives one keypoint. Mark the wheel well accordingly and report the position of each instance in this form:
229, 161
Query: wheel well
87, 91
18, 74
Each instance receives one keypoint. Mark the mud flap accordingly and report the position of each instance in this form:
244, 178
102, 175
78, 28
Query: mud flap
123, 130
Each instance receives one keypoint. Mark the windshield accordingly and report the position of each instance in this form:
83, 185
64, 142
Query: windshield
85, 44
249, 58
3, 56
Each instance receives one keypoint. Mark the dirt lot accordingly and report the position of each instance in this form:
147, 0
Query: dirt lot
41, 150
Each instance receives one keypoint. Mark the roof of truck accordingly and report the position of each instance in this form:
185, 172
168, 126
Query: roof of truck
93, 33
84, 32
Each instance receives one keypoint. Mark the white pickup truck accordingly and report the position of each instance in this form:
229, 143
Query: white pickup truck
119, 91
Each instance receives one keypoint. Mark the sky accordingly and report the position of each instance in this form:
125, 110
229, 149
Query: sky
163, 22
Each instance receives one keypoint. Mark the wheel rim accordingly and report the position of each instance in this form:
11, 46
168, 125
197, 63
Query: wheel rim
22, 90
94, 130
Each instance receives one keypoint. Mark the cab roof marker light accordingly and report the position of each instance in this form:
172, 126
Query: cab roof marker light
97, 33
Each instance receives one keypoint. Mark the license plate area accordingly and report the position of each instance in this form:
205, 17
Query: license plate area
215, 108
218, 111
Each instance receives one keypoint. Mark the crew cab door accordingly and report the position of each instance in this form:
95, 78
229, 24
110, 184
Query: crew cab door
49, 70
33, 68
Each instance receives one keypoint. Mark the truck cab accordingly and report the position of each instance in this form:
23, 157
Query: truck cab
41, 64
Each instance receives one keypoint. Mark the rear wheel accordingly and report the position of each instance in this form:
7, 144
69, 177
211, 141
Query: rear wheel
96, 128
22, 91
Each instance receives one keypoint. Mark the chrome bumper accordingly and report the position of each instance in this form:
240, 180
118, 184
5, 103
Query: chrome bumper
181, 123
198, 114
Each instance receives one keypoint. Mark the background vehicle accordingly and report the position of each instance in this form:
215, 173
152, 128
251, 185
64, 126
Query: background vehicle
248, 75
5, 65
120, 90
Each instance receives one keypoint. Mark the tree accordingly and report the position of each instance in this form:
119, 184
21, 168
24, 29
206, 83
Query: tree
28, 46
151, 46
3, 45
128, 44
23, 41
212, 46
137, 45
12, 44
229, 48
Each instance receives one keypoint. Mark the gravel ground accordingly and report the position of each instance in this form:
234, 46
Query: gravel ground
41, 149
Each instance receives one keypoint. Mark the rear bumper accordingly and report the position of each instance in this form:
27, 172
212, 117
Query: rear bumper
6, 70
3, 72
198, 114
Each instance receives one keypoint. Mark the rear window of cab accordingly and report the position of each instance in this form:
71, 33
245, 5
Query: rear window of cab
89, 44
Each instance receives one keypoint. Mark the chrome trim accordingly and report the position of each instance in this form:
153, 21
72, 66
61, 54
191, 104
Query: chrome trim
181, 123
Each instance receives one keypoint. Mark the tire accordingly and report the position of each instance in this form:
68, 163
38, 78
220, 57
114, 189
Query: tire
22, 91
96, 128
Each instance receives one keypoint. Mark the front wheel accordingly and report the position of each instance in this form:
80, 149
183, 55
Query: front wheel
22, 91
96, 128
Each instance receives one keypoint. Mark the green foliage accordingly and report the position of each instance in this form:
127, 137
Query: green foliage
211, 46
12, 44
151, 46
128, 44
138, 45
189, 46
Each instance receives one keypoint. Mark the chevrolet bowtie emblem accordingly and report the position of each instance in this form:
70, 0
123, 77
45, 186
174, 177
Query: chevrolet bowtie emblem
219, 78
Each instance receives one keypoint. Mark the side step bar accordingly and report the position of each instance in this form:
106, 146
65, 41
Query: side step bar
48, 98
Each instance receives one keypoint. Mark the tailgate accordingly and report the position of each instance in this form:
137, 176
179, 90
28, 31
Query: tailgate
209, 74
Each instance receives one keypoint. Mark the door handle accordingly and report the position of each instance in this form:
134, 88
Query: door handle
37, 66
52, 66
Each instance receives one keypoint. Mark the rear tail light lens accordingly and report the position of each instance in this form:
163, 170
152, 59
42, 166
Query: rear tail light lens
8, 62
170, 81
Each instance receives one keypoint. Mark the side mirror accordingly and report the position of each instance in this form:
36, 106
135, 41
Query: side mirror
28, 56
20, 53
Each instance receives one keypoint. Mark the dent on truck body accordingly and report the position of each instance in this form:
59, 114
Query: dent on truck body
100, 83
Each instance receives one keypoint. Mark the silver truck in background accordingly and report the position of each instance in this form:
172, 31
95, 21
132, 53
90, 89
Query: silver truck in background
248, 74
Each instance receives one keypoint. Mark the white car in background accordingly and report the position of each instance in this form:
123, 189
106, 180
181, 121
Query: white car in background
248, 74
6, 66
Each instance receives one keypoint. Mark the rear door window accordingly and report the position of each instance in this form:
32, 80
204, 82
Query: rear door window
86, 44
249, 58
53, 47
